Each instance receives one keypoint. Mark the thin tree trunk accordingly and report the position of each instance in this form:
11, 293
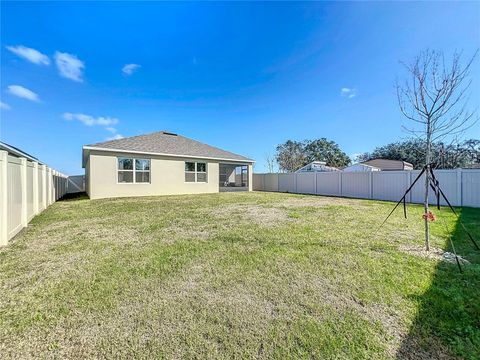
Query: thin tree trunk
425, 201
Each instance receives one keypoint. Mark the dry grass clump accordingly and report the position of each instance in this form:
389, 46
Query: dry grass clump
251, 213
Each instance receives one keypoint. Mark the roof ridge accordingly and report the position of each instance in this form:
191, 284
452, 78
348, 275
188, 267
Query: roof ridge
167, 143
128, 137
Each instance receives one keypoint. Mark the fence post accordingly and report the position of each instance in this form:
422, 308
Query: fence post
459, 187
23, 184
409, 182
3, 198
315, 183
370, 182
55, 185
340, 190
35, 188
44, 187
49, 186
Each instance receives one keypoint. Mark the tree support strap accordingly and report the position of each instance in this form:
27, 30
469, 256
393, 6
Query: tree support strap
404, 198
435, 185
440, 191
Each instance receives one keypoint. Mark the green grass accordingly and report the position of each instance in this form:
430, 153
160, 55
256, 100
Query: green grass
240, 275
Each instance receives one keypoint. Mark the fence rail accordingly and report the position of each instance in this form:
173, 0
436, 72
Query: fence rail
26, 189
461, 186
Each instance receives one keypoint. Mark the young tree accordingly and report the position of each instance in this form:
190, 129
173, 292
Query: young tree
270, 160
291, 156
434, 99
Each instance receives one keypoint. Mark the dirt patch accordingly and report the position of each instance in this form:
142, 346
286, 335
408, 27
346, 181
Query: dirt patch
434, 253
417, 250
260, 215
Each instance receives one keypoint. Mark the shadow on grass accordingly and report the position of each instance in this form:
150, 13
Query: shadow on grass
74, 197
447, 324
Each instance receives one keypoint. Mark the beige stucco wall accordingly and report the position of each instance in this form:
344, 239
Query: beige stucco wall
87, 177
167, 177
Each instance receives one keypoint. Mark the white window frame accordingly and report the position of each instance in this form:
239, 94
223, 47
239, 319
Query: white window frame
196, 172
134, 171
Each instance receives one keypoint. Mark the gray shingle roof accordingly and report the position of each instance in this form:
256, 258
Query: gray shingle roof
163, 142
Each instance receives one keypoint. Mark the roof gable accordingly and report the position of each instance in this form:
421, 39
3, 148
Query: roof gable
166, 143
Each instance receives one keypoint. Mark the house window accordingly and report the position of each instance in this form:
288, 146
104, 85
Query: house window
132, 170
195, 171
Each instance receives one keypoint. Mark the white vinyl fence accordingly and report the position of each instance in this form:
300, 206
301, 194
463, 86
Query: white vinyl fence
461, 186
26, 189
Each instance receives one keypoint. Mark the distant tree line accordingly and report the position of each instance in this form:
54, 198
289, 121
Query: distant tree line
292, 155
452, 156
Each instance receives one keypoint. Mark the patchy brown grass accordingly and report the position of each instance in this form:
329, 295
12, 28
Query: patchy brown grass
215, 276
250, 213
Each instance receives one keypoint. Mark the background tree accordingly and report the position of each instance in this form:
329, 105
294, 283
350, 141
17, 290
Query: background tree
328, 151
433, 98
292, 155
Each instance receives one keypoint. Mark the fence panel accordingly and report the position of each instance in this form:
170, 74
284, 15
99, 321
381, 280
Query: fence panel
270, 182
41, 184
471, 188
448, 182
30, 209
462, 187
257, 182
329, 183
14, 196
356, 184
389, 185
25, 190
286, 183
306, 183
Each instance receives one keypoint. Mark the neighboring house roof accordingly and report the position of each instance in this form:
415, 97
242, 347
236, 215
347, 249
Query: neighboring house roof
317, 166
359, 167
168, 144
388, 164
473, 166
12, 150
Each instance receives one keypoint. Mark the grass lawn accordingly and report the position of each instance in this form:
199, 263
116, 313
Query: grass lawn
237, 275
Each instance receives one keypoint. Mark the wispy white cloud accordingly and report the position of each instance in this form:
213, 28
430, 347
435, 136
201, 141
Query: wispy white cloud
348, 92
105, 121
4, 106
32, 55
115, 137
69, 66
129, 69
22, 92
90, 120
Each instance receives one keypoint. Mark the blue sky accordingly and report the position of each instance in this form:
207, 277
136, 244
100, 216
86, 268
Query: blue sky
241, 76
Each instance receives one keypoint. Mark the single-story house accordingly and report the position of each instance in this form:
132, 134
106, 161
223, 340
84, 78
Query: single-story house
162, 163
317, 166
359, 167
389, 165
